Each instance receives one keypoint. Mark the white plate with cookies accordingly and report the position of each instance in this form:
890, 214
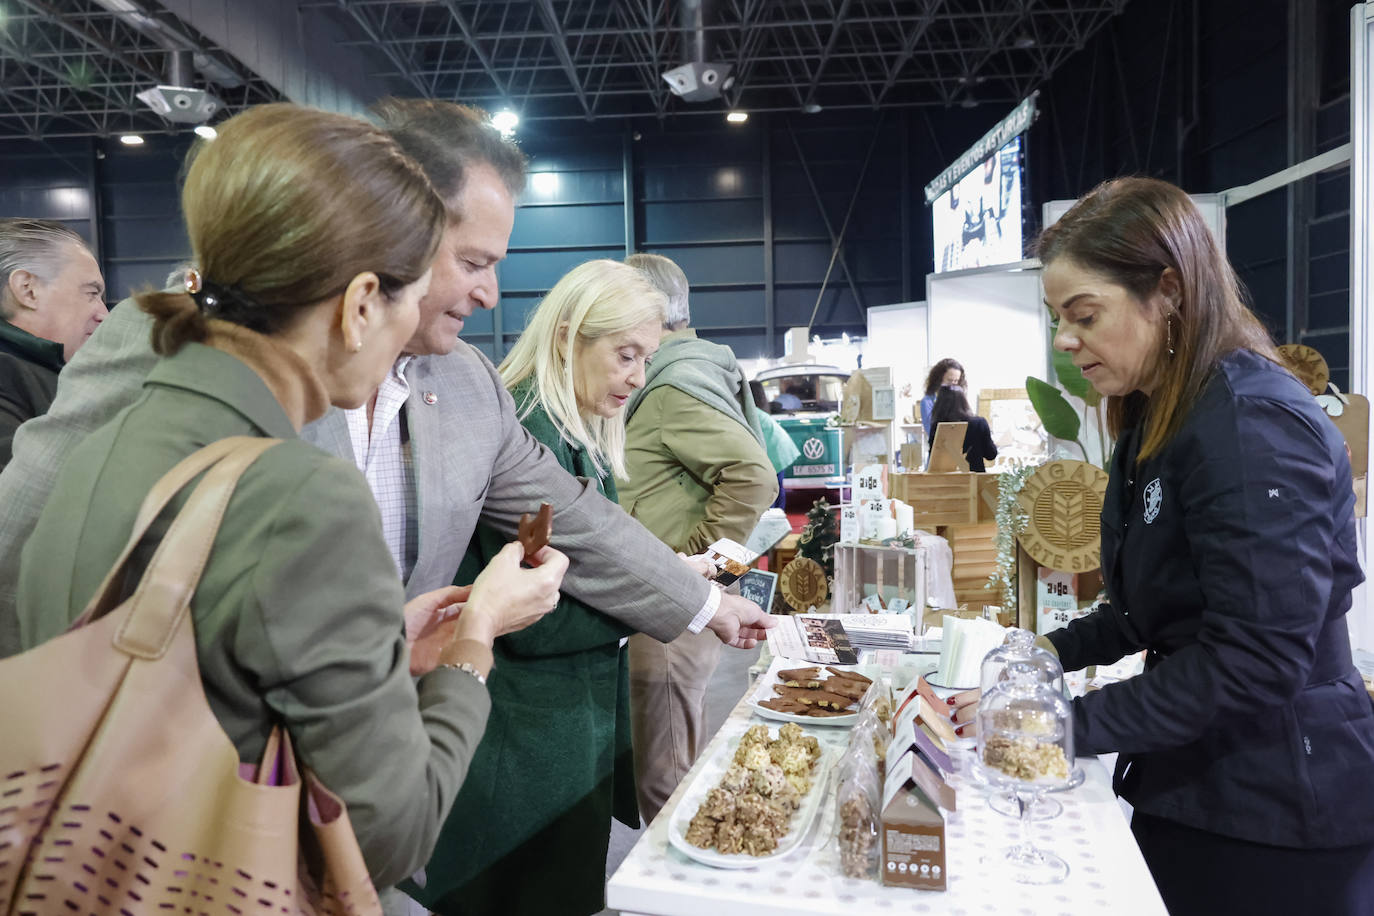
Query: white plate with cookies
713, 799
796, 691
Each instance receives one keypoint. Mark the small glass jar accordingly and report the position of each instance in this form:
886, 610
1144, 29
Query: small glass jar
1019, 647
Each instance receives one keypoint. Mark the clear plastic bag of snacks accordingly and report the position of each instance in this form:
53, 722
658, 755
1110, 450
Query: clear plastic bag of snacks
858, 821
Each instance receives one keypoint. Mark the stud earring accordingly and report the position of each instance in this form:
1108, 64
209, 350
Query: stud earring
357, 347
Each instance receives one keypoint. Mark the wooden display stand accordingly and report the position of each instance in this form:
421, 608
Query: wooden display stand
975, 559
957, 498
960, 506
1063, 501
893, 572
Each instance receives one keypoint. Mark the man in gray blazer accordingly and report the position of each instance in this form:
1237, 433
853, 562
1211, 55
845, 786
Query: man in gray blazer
464, 455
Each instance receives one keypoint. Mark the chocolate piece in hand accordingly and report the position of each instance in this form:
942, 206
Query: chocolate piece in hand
535, 530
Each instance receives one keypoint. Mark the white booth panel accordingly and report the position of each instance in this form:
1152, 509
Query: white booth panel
897, 339
1212, 207
1361, 615
993, 320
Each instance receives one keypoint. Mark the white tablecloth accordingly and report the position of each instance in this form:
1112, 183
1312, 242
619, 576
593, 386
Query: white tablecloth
1106, 872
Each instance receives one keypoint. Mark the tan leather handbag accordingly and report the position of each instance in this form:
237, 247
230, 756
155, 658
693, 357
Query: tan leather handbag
120, 792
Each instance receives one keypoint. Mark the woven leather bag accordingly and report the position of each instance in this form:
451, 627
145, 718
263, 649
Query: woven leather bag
119, 791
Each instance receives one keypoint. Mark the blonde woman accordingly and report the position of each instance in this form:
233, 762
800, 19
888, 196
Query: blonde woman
529, 830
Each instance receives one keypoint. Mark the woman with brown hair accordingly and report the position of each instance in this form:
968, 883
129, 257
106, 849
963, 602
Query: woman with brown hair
951, 406
313, 236
946, 372
1228, 549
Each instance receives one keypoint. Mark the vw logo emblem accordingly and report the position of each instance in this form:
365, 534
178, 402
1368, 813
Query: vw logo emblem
813, 449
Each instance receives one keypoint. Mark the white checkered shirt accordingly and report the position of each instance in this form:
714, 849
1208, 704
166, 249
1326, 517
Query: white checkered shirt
384, 458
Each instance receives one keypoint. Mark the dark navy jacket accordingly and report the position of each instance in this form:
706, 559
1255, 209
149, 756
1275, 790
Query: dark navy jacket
1230, 556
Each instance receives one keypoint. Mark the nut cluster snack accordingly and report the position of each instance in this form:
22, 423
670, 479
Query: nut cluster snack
1025, 758
858, 835
748, 812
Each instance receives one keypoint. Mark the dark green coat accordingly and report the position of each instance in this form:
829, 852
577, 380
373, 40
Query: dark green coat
529, 830
28, 380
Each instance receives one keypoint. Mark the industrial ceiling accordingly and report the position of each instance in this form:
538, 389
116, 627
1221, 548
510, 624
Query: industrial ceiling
74, 67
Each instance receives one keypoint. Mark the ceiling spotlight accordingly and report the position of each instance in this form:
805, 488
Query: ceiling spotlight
505, 121
1023, 42
131, 140
968, 101
811, 108
737, 117
206, 132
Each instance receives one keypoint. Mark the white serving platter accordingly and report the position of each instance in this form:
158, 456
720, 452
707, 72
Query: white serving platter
709, 777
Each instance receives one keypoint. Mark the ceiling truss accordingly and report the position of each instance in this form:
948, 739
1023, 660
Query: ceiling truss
73, 67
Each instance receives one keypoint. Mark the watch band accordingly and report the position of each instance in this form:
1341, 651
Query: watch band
465, 666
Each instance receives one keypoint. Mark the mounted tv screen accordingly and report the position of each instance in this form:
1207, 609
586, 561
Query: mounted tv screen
978, 220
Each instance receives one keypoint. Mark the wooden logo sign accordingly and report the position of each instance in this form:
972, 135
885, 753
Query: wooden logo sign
803, 583
1308, 365
1063, 500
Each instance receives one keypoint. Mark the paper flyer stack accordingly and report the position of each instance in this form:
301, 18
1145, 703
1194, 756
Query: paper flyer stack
965, 643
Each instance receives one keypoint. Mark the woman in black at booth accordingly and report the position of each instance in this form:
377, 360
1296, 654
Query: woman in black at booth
1228, 548
952, 407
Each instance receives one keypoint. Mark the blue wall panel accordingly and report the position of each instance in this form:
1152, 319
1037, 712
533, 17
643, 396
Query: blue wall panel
49, 181
553, 227
701, 220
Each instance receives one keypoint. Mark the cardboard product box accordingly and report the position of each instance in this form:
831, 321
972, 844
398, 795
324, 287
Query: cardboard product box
913, 825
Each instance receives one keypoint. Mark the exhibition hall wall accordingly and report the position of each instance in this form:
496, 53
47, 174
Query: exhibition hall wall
1169, 88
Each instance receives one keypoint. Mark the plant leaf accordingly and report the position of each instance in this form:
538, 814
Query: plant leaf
1070, 376
1091, 397
1056, 414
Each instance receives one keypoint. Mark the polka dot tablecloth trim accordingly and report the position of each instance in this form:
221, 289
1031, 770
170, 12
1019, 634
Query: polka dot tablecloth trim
1106, 872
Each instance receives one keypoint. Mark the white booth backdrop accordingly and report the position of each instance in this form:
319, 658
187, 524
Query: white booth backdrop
993, 320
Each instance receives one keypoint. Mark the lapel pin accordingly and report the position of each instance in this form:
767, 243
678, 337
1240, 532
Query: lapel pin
431, 397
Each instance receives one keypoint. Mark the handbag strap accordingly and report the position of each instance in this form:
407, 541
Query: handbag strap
168, 486
159, 603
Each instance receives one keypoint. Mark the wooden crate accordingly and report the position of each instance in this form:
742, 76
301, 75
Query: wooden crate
975, 558
892, 572
956, 498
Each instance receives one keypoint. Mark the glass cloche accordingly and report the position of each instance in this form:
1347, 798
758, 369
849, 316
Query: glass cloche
1025, 743
1025, 728
1019, 646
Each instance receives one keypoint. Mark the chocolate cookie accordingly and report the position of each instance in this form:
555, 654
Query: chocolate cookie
820, 698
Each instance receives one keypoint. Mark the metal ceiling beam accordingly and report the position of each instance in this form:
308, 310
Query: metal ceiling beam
55, 16
768, 25
385, 46
913, 38
17, 53
465, 28
836, 24
560, 50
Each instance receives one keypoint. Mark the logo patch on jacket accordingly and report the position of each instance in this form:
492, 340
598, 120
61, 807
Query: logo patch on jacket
1154, 496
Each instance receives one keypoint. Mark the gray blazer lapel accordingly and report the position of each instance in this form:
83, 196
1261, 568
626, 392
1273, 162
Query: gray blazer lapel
330, 433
